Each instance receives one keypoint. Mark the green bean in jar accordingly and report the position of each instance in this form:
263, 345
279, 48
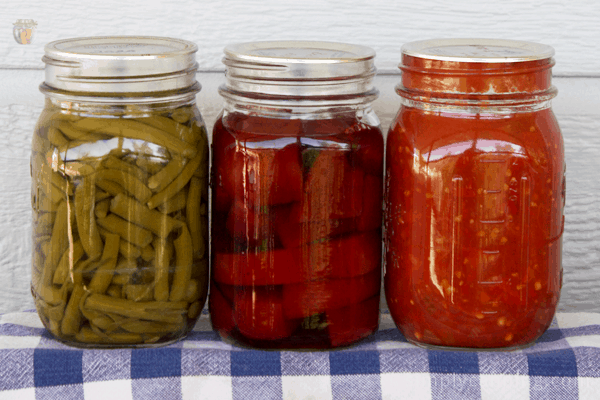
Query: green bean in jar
119, 197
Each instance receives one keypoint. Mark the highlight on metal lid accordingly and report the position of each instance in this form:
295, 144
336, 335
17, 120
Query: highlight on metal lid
478, 50
299, 68
297, 51
120, 64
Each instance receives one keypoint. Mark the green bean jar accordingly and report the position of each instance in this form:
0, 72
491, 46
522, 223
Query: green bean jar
119, 168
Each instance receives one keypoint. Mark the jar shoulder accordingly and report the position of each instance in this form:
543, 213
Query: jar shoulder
426, 131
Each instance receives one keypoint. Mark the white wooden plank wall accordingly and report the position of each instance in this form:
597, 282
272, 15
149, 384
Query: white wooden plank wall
572, 28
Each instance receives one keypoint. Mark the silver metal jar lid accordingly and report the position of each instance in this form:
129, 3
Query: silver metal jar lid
120, 64
478, 50
299, 68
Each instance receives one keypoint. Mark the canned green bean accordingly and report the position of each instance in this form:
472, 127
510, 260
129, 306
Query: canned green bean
119, 168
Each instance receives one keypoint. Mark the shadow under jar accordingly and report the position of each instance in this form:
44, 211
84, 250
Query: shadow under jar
119, 168
475, 191
297, 196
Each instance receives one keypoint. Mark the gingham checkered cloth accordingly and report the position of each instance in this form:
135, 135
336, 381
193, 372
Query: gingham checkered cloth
563, 364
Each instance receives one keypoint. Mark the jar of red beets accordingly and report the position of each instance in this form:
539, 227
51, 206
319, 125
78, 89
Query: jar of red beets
475, 191
297, 196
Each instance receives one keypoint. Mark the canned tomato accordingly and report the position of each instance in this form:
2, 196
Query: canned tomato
475, 194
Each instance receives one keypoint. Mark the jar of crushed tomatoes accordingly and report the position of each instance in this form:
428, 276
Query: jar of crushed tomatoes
297, 196
475, 191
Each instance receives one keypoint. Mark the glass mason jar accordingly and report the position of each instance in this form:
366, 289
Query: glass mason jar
475, 191
119, 169
297, 196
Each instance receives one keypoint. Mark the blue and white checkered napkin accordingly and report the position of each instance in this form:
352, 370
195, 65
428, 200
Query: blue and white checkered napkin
563, 364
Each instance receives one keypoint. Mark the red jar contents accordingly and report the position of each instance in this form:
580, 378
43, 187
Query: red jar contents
474, 196
297, 238
297, 197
